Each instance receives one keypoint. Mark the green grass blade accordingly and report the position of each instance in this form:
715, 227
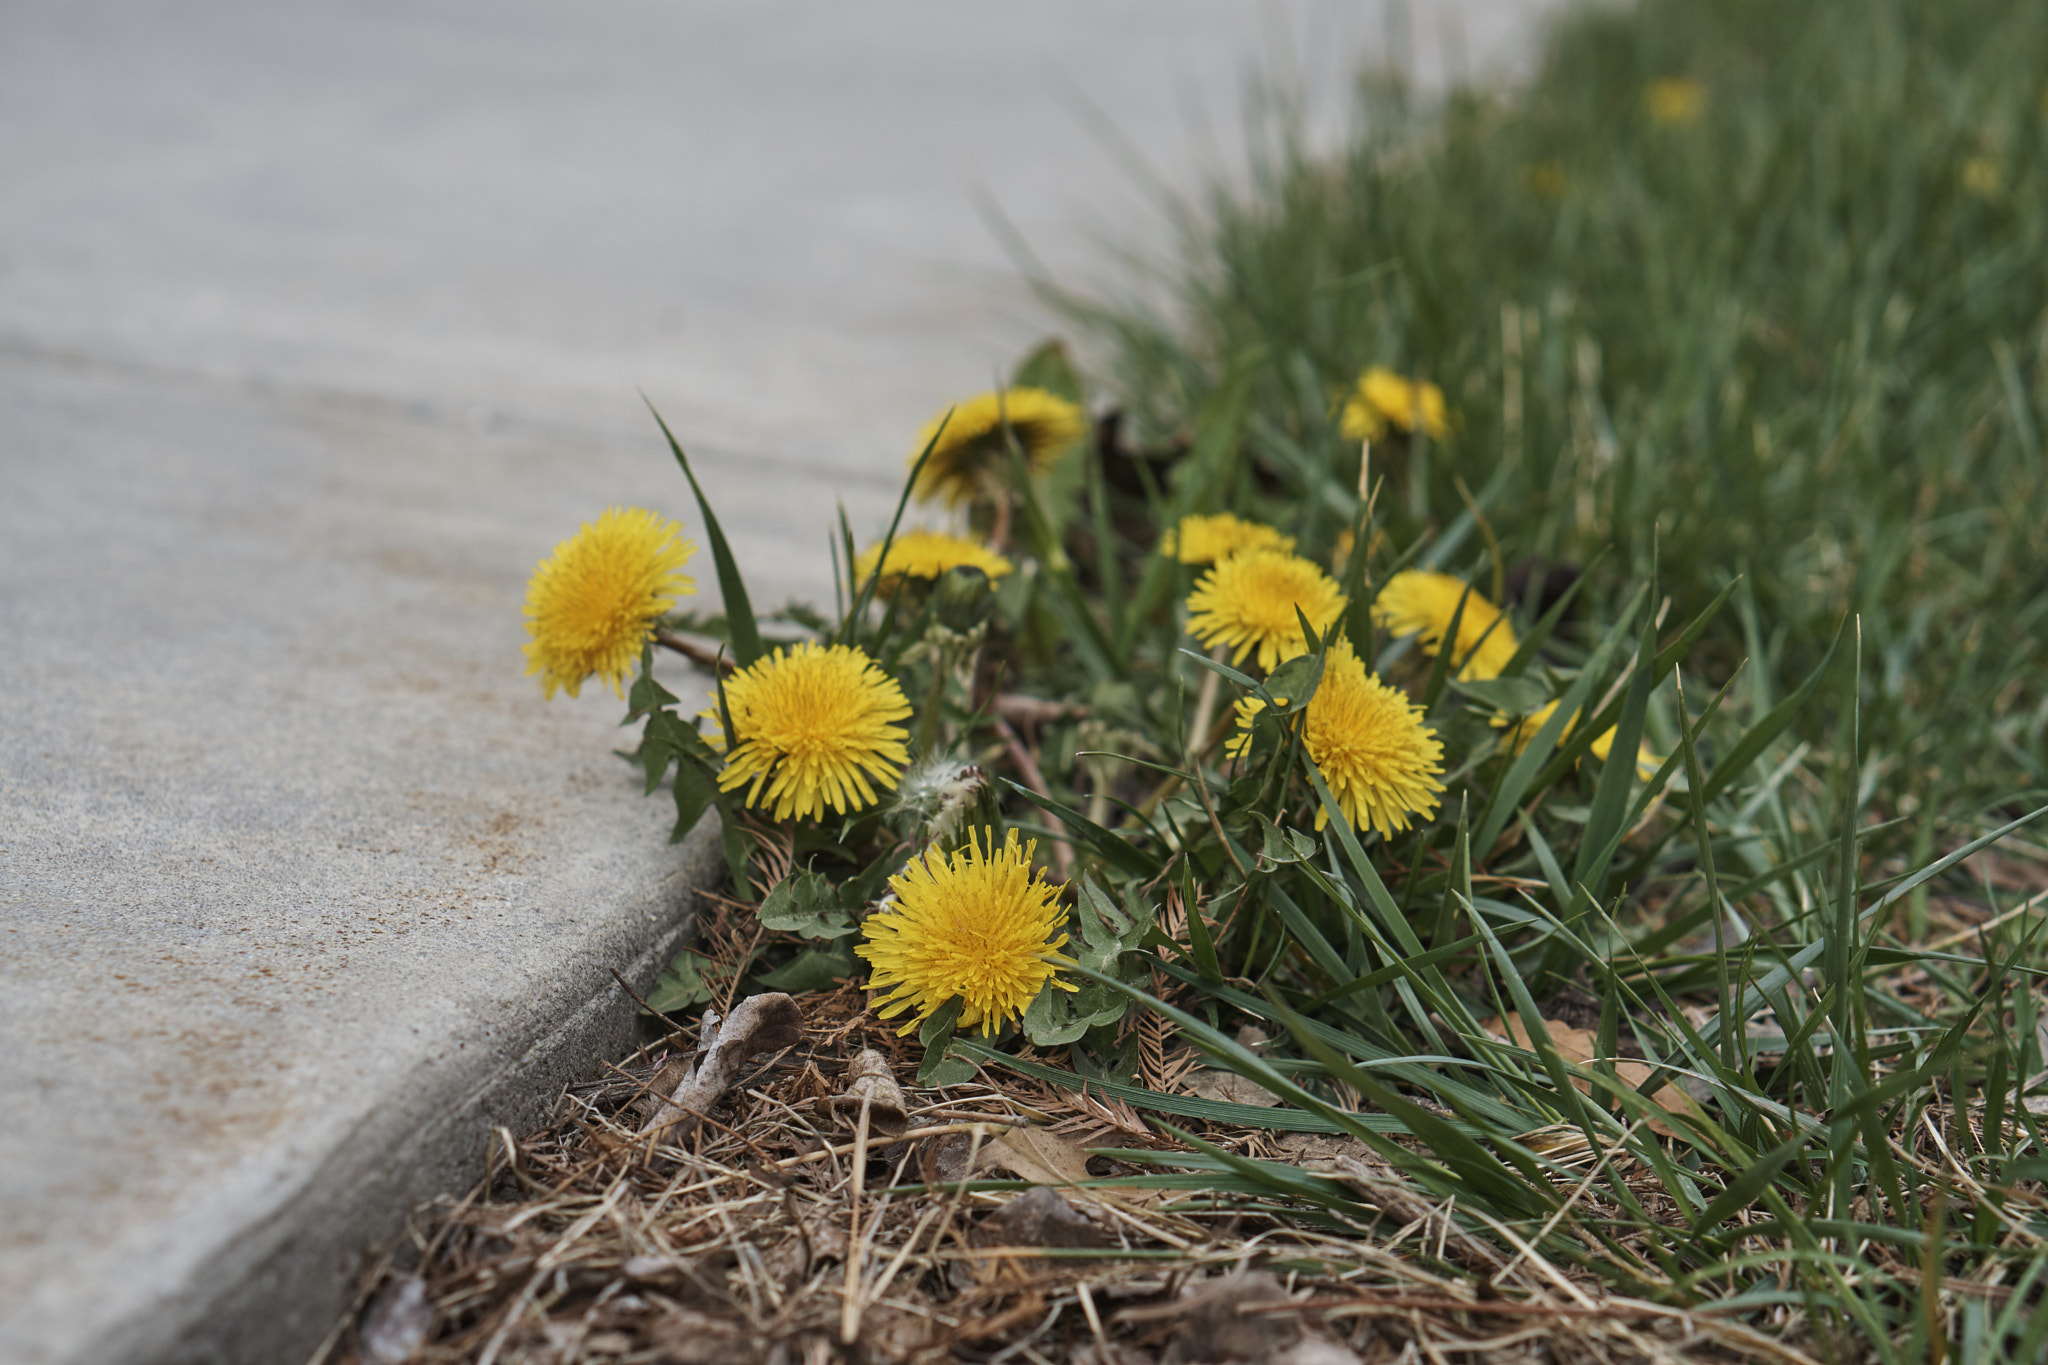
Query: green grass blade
739, 612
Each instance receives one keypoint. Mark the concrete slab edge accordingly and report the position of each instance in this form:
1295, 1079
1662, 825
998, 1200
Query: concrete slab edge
272, 1294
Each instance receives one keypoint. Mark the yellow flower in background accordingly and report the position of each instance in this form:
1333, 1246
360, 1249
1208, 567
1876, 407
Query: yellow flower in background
1347, 540
1204, 540
972, 453
1383, 399
1547, 179
927, 554
1521, 731
1981, 177
1419, 602
1247, 602
982, 926
592, 603
814, 724
1674, 100
1369, 743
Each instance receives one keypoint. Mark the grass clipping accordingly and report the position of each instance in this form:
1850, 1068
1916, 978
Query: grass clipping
827, 1209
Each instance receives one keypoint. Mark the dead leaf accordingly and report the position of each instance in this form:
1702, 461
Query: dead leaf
1227, 1087
760, 1023
1579, 1047
1038, 1155
397, 1322
1214, 1328
1044, 1157
871, 1080
1039, 1217
1300, 1148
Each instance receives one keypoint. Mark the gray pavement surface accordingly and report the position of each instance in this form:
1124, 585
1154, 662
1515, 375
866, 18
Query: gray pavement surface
319, 324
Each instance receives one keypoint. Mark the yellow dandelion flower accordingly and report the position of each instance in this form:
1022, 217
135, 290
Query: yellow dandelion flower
984, 927
1521, 731
591, 604
1419, 602
1383, 399
927, 554
814, 724
1547, 179
1674, 100
1347, 540
1204, 540
1981, 177
972, 453
1369, 743
1247, 602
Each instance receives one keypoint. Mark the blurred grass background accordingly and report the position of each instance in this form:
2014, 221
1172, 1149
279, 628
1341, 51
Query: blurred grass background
1750, 288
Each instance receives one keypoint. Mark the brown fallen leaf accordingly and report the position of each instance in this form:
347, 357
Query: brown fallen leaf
1044, 1157
1213, 1323
760, 1023
871, 1080
1038, 1155
1304, 1147
1580, 1047
1039, 1217
1228, 1087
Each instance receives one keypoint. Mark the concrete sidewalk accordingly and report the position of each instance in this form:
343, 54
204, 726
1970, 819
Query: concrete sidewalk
319, 325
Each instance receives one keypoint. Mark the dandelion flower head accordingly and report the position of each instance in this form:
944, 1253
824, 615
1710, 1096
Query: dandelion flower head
1417, 601
1383, 399
1204, 540
982, 925
1368, 741
1522, 730
927, 554
591, 604
1247, 602
1674, 100
1547, 179
815, 725
972, 451
1981, 177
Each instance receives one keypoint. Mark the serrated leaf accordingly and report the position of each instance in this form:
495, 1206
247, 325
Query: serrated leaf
696, 787
1283, 845
805, 904
948, 1070
681, 984
647, 694
813, 969
939, 1027
1057, 1017
1294, 683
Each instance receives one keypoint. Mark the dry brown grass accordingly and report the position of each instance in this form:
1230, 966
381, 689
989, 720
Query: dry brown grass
763, 1238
